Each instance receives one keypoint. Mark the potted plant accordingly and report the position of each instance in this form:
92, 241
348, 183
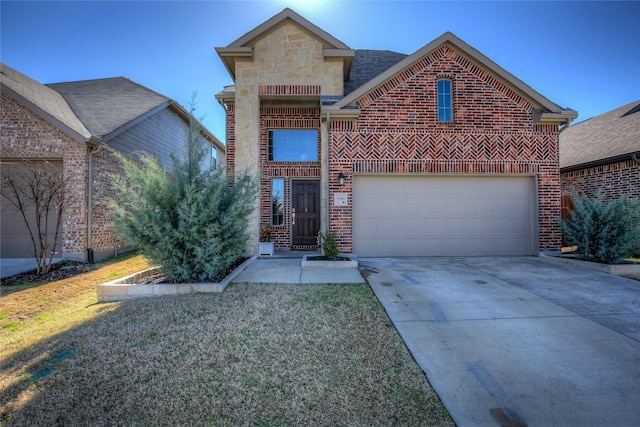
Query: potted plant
265, 246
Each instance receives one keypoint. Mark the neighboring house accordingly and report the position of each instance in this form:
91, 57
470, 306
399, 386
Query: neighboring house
603, 154
78, 126
441, 152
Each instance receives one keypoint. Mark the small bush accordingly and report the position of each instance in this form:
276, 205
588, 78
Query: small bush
329, 245
604, 232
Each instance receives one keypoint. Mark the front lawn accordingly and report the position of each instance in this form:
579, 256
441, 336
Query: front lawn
267, 355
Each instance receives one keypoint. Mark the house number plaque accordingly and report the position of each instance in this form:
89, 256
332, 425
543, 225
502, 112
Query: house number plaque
340, 199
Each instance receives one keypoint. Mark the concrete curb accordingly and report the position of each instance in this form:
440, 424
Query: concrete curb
352, 263
126, 288
615, 269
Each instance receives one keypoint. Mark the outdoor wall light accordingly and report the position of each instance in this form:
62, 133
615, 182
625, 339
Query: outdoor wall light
341, 178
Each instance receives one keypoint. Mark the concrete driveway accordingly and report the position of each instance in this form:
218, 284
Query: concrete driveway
518, 341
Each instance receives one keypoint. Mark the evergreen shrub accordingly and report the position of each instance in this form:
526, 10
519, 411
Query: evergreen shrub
329, 245
603, 232
193, 222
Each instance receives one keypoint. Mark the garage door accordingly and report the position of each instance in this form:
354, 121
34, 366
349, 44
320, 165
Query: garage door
16, 241
443, 216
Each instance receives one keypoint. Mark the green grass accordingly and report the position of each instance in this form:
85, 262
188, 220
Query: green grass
11, 326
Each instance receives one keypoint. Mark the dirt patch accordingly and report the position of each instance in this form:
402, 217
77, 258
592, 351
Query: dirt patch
60, 271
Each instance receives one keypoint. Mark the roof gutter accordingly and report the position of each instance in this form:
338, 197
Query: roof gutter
615, 159
562, 118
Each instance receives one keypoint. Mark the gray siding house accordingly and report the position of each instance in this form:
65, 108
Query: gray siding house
78, 127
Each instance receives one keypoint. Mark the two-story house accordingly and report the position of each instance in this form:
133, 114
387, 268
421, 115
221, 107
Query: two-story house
441, 152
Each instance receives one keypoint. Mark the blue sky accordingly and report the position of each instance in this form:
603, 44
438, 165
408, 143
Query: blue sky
581, 55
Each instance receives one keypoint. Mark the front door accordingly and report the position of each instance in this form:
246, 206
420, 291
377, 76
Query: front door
305, 212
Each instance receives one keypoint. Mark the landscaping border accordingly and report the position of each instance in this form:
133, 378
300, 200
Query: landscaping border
615, 269
126, 288
352, 263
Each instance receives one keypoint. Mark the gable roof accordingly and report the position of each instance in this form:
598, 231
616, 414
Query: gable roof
328, 41
107, 105
606, 138
93, 110
549, 111
243, 46
44, 101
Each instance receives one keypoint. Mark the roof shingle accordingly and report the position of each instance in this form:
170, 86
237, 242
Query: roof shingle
105, 105
368, 64
606, 136
48, 101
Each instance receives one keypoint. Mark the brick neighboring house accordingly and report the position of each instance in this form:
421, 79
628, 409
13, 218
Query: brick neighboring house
441, 152
78, 126
603, 153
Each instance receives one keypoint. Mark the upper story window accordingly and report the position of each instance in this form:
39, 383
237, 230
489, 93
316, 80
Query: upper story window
445, 108
293, 145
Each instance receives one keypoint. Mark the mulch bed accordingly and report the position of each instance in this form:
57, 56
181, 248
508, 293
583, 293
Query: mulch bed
324, 258
161, 278
67, 269
60, 271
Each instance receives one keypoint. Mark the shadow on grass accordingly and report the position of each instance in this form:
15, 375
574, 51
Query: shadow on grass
313, 354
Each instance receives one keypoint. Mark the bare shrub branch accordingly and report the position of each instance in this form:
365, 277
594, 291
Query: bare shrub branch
37, 189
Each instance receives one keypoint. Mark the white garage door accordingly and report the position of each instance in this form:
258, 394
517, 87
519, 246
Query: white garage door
443, 216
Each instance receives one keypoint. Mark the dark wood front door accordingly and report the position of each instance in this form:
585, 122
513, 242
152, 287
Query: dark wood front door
305, 212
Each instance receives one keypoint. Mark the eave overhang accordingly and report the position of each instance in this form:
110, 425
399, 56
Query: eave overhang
347, 56
565, 116
229, 55
332, 113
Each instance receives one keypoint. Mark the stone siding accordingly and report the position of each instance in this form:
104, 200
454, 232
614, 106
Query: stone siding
287, 62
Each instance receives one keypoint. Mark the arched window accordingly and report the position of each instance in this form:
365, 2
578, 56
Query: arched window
445, 107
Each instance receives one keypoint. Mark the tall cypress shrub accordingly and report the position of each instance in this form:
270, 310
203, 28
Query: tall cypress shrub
191, 223
603, 232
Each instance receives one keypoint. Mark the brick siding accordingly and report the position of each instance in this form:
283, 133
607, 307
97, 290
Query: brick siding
492, 132
103, 240
230, 119
398, 132
613, 179
284, 117
26, 135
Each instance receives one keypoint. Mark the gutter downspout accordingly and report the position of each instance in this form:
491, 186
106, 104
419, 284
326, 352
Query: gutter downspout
634, 157
93, 150
566, 125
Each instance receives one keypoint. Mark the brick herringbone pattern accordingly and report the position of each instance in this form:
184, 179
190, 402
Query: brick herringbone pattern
534, 147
